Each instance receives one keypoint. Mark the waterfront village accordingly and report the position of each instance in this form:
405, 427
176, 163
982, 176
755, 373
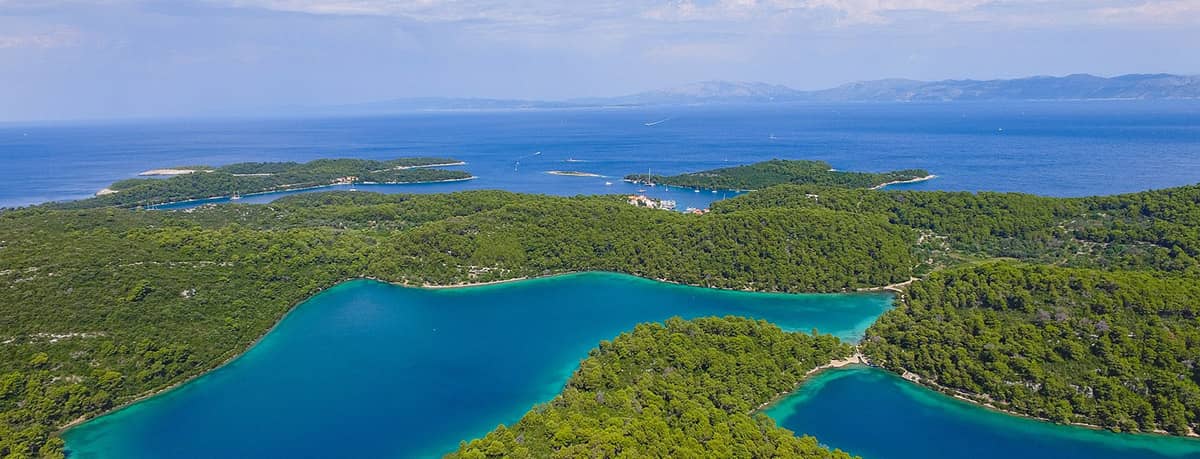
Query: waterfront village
664, 204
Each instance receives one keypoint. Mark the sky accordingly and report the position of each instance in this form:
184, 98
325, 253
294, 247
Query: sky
67, 59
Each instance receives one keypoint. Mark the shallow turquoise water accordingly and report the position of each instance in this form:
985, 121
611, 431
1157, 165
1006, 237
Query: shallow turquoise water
367, 369
877, 415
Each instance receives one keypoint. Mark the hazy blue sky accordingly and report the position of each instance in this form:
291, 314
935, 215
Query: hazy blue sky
100, 58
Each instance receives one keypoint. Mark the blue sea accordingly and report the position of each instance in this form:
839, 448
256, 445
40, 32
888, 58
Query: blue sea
1050, 148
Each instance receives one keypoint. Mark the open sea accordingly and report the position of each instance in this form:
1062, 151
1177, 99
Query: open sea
1050, 148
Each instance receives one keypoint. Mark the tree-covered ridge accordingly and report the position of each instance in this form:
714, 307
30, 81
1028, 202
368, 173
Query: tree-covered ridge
247, 178
99, 306
683, 389
1147, 230
776, 172
768, 250
1113, 349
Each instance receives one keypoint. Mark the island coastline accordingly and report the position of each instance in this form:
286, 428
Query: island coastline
573, 174
899, 182
303, 188
169, 172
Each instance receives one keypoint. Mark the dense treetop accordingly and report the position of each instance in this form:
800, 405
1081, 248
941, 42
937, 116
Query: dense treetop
1114, 349
246, 178
683, 389
777, 172
1149, 230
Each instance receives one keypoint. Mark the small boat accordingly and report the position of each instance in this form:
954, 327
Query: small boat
607, 183
695, 191
234, 197
641, 191
714, 191
655, 123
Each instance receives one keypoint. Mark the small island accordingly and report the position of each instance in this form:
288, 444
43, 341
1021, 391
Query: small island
778, 172
574, 173
186, 183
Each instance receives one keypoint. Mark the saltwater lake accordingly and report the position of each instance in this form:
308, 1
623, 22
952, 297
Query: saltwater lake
878, 415
367, 369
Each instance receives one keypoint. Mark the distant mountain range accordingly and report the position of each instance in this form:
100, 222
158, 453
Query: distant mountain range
1071, 87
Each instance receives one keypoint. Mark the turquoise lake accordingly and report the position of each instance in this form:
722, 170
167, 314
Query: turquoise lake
367, 369
877, 415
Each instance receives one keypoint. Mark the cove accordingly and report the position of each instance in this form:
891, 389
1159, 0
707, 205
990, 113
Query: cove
873, 413
368, 369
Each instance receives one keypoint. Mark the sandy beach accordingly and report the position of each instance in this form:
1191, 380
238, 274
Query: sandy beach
897, 182
856, 359
153, 172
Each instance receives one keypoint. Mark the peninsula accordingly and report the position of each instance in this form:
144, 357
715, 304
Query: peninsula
186, 184
779, 171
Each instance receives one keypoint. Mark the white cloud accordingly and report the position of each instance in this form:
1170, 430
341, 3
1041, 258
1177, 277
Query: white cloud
839, 12
1159, 12
58, 37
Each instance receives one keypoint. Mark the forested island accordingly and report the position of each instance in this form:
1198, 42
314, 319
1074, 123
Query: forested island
1069, 309
780, 171
680, 389
200, 182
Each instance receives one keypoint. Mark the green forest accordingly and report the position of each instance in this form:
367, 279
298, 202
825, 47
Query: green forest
1112, 349
107, 304
1069, 309
247, 178
679, 389
778, 172
1154, 230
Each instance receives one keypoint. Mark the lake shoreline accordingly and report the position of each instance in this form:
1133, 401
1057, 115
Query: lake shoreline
857, 358
918, 380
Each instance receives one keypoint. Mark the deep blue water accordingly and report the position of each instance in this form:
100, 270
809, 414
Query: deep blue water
877, 415
1059, 148
368, 369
